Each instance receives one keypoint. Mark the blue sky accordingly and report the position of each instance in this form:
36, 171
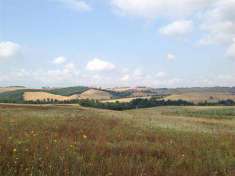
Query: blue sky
164, 43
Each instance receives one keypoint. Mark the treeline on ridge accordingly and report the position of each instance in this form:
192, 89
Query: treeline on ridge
134, 104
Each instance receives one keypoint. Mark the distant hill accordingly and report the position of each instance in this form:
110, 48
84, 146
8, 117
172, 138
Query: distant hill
45, 96
199, 97
17, 95
68, 91
96, 94
195, 94
11, 88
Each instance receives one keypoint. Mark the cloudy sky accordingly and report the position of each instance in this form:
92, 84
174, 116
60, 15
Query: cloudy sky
158, 43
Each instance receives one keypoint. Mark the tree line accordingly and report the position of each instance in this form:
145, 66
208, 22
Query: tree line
134, 104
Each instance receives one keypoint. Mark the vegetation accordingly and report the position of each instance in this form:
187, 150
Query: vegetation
68, 91
12, 97
68, 140
134, 104
123, 94
215, 113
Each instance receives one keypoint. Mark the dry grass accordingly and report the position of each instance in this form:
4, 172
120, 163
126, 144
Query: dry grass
89, 94
197, 97
68, 140
34, 96
124, 100
95, 95
9, 89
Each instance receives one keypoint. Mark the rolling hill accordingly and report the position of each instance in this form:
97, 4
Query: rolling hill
96, 94
10, 89
44, 96
196, 95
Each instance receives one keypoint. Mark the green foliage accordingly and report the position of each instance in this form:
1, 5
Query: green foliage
12, 97
214, 113
116, 95
69, 90
134, 104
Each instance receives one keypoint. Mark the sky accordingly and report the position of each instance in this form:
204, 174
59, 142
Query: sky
109, 43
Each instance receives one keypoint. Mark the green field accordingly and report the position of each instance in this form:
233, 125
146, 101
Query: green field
72, 140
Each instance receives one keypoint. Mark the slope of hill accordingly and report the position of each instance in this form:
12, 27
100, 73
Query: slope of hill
68, 91
96, 94
197, 97
44, 96
13, 96
10, 89
17, 96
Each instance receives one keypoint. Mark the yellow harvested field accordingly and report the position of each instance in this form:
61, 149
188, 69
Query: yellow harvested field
124, 100
198, 97
34, 96
95, 95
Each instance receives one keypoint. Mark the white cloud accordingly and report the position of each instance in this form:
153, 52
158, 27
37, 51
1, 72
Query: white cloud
231, 50
9, 49
156, 8
177, 28
99, 65
79, 5
60, 60
170, 57
138, 72
219, 23
70, 68
161, 75
125, 77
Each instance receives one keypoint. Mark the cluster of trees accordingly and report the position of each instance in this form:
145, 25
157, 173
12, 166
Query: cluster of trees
134, 104
52, 101
148, 103
219, 103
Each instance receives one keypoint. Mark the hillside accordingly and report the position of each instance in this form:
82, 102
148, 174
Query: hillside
96, 94
198, 97
44, 96
68, 91
10, 89
17, 96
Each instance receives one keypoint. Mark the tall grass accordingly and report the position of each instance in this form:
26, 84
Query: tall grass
85, 142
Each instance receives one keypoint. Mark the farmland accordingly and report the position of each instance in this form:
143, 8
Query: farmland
72, 140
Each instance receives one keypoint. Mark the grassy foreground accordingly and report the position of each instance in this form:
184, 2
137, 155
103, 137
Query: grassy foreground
70, 140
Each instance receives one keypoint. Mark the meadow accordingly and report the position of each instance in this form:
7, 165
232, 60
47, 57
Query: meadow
55, 140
